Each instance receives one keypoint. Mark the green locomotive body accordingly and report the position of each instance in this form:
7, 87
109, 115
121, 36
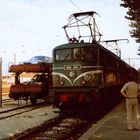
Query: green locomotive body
86, 73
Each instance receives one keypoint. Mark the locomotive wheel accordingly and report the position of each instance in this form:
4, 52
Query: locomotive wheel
33, 100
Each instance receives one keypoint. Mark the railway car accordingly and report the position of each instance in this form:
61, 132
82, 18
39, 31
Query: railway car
85, 74
33, 89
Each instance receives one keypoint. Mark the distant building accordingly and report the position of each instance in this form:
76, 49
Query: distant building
10, 77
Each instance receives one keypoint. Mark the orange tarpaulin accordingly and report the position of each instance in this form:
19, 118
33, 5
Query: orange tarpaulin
45, 67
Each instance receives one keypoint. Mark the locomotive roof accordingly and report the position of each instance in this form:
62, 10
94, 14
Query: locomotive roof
75, 45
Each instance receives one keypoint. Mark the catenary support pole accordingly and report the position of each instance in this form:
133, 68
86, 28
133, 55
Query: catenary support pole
0, 82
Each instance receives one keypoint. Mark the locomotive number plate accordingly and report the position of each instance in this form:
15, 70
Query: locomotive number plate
72, 67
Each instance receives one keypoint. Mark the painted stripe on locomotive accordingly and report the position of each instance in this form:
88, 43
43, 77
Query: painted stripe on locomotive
64, 68
72, 82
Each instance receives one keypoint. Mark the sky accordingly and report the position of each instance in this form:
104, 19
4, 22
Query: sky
34, 27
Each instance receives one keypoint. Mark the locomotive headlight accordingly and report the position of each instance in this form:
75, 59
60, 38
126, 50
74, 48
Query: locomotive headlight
72, 74
89, 77
83, 82
61, 82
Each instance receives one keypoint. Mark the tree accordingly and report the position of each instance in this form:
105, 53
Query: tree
133, 14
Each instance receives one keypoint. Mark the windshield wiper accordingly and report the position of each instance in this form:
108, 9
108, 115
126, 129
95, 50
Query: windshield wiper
67, 56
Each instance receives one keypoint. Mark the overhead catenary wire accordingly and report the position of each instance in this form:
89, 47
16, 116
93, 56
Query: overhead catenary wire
74, 5
19, 27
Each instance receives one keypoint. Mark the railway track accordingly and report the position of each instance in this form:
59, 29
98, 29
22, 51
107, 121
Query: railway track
59, 129
19, 110
64, 128
7, 100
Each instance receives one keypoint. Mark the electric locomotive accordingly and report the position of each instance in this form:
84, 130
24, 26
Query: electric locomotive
86, 75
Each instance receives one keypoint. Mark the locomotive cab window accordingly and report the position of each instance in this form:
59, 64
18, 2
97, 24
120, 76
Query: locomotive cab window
86, 53
83, 53
62, 55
